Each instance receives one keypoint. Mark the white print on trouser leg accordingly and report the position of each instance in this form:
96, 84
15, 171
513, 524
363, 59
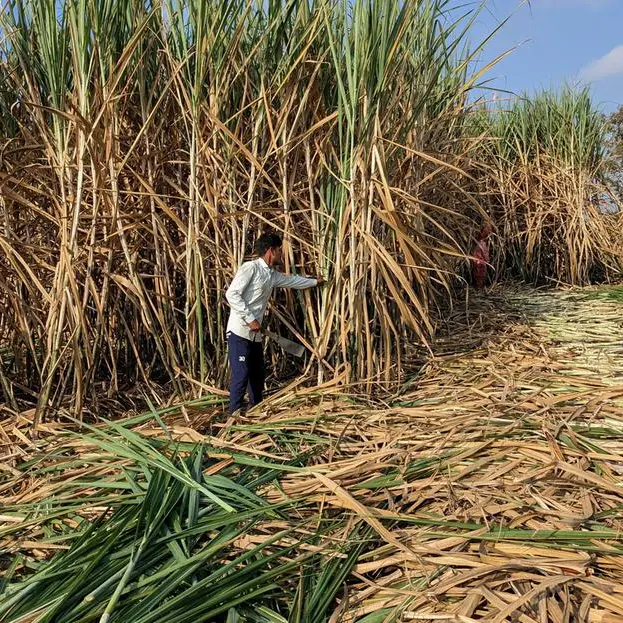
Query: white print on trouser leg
242, 358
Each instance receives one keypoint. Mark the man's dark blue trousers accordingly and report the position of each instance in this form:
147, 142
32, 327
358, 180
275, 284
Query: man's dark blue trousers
246, 360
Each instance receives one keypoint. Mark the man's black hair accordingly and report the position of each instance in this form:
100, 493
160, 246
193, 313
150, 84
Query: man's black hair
266, 241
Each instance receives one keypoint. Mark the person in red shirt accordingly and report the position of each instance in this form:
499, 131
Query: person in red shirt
480, 259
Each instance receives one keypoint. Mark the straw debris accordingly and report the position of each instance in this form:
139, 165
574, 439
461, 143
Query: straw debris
488, 490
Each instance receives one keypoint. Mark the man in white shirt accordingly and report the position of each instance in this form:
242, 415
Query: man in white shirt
248, 297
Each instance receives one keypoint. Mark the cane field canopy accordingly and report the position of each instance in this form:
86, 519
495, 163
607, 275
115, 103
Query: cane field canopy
436, 455
145, 144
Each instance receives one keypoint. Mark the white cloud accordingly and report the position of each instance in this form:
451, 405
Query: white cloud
609, 65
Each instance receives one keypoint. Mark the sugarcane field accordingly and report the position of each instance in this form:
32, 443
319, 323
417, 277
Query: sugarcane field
302, 321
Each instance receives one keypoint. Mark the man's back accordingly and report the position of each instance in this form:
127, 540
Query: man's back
248, 297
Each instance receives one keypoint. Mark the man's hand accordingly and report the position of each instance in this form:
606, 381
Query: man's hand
320, 281
255, 326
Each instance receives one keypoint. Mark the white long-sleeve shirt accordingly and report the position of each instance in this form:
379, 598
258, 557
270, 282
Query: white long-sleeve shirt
249, 292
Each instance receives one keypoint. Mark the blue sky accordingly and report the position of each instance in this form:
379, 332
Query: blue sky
558, 41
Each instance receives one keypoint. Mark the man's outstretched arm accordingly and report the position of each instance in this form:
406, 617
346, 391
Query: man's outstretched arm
294, 281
